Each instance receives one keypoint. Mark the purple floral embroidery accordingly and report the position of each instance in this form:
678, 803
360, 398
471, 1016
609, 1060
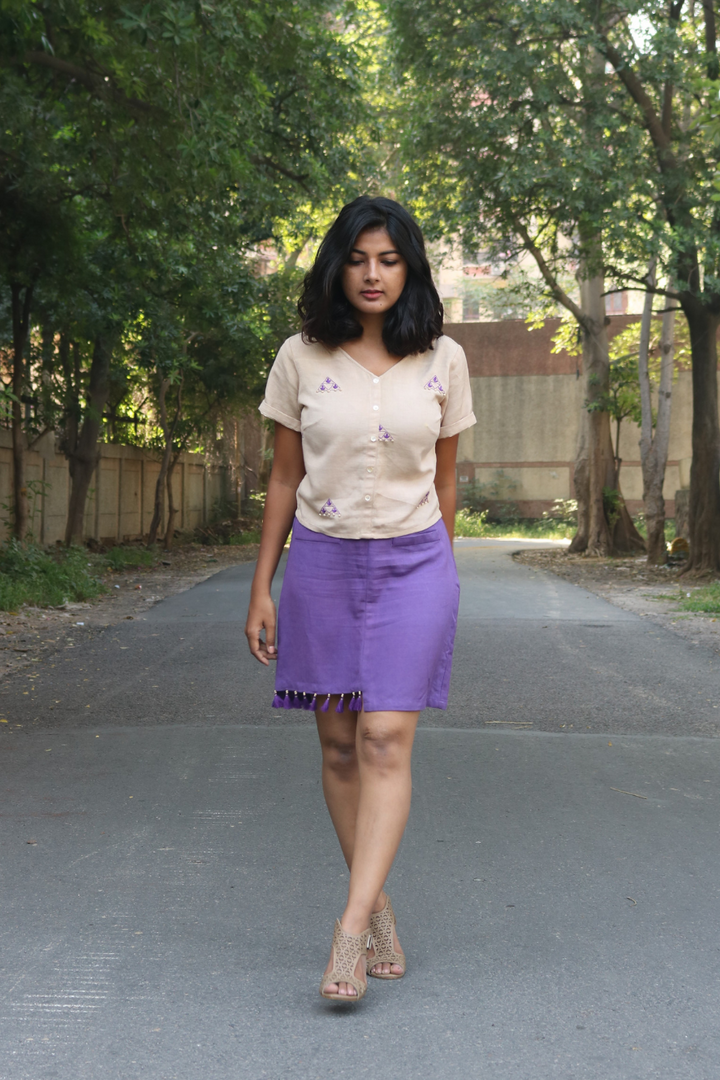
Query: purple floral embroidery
327, 386
385, 435
435, 385
425, 498
330, 510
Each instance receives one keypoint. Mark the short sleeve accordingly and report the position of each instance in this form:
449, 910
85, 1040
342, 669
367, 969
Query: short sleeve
457, 408
281, 393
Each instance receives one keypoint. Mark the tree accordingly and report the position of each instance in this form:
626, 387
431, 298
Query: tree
154, 125
513, 141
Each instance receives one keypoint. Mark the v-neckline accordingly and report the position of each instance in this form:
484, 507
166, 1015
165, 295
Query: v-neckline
372, 374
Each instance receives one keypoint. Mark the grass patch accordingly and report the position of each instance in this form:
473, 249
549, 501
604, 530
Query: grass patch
31, 575
470, 523
251, 536
130, 558
705, 599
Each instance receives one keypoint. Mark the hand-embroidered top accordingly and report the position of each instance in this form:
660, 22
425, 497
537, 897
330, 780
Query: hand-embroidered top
369, 440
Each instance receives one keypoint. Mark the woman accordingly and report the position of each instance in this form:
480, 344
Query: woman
368, 402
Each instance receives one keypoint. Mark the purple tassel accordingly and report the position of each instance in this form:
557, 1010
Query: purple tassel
277, 701
340, 707
287, 704
356, 703
312, 704
325, 705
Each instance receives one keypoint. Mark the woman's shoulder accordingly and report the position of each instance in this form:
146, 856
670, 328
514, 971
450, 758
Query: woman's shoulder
446, 349
300, 350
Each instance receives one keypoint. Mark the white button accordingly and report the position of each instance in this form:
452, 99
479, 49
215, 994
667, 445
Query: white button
376, 380
373, 438
375, 408
370, 468
367, 498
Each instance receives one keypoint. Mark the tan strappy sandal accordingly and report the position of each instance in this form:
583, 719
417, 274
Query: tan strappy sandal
382, 924
346, 951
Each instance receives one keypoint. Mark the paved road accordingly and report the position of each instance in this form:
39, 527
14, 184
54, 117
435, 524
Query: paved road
171, 918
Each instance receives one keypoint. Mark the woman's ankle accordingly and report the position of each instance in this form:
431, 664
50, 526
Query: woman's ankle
354, 922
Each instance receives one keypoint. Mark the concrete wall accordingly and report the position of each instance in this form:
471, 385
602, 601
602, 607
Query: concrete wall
122, 492
528, 403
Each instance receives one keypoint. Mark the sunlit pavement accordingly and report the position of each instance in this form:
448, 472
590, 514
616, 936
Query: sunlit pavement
170, 877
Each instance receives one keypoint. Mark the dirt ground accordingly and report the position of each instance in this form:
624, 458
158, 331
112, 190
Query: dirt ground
33, 633
652, 592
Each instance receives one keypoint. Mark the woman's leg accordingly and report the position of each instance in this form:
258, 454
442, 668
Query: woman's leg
368, 796
340, 776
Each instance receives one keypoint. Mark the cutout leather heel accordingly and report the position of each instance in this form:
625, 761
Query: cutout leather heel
382, 925
347, 949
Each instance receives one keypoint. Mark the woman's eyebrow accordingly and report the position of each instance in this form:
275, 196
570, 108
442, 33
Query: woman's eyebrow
359, 251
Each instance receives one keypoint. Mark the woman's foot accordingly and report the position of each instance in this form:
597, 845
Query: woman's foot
343, 941
385, 968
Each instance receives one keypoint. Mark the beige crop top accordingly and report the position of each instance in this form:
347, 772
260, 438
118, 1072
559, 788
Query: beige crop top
369, 440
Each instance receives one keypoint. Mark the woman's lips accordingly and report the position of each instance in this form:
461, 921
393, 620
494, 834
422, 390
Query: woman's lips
371, 294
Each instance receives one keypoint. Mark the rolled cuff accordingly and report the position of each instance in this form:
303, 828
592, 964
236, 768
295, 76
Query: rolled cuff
277, 414
459, 425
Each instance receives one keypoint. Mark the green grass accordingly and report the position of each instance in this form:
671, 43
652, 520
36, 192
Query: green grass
129, 558
31, 575
468, 523
705, 599
251, 536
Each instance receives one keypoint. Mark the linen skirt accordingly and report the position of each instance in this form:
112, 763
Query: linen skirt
372, 620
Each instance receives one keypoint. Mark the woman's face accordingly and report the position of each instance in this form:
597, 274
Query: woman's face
375, 274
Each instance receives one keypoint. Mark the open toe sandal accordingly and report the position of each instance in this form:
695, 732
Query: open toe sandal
382, 924
346, 951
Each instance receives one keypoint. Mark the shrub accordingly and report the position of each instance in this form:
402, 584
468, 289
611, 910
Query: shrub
31, 575
129, 558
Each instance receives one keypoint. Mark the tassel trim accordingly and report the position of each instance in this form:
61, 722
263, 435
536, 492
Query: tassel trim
299, 699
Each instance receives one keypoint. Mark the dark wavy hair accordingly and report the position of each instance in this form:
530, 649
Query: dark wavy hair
413, 323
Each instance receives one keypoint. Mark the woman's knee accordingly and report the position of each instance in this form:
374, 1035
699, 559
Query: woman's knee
340, 755
384, 746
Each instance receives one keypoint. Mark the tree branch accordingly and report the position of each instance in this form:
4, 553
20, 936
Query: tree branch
640, 96
96, 84
552, 282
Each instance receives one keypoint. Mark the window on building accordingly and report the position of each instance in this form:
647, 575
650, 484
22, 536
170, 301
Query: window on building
471, 309
616, 303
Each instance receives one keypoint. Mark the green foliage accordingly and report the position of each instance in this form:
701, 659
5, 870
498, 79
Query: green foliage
130, 558
31, 575
705, 599
470, 524
492, 498
612, 505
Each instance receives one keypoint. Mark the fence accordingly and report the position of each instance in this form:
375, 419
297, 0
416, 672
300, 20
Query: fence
122, 493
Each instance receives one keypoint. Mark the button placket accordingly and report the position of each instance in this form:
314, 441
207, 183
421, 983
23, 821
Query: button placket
370, 472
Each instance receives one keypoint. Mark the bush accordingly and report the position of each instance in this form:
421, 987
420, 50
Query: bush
705, 599
129, 558
492, 499
31, 575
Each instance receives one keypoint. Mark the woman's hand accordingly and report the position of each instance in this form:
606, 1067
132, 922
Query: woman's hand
262, 616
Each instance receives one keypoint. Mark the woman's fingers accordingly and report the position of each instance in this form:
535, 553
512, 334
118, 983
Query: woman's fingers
262, 618
270, 634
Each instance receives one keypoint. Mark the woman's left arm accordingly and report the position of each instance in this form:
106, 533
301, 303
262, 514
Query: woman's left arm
446, 454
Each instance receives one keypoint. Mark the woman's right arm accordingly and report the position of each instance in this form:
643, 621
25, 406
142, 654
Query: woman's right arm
280, 504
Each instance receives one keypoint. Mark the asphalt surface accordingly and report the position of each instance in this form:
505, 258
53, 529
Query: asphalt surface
169, 876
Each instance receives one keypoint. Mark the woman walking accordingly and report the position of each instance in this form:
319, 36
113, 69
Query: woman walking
368, 403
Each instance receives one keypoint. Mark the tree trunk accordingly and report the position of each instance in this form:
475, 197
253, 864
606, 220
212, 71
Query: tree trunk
654, 445
705, 470
167, 453
600, 462
167, 464
604, 524
83, 457
172, 509
20, 326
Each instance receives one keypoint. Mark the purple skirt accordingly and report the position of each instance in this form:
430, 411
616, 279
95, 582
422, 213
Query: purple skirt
373, 620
